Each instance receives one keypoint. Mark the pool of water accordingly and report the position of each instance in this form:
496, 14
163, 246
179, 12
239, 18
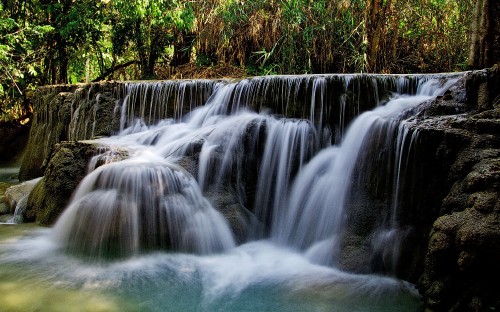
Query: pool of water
258, 276
9, 173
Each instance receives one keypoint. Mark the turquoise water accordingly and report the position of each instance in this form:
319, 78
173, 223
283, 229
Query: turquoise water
9, 172
258, 276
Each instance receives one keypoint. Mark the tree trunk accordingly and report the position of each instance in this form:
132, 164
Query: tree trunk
183, 46
144, 50
149, 71
63, 62
485, 35
376, 15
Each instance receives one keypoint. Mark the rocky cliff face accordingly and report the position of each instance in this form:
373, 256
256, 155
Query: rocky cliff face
56, 110
461, 269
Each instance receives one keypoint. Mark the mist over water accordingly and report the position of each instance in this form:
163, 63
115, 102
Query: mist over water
148, 232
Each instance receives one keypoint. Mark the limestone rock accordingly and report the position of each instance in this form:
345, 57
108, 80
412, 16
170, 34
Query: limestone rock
15, 193
4, 206
461, 266
67, 112
226, 202
66, 168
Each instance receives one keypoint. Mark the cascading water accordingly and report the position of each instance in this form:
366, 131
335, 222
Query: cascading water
192, 182
314, 217
140, 204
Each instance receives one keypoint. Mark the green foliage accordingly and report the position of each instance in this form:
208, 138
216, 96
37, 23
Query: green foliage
299, 36
147, 27
20, 49
60, 41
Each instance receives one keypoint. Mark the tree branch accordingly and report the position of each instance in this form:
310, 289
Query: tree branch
113, 69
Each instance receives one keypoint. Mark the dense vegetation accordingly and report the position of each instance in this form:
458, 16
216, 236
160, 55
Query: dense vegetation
66, 41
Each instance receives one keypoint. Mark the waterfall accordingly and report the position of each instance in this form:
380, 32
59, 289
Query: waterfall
195, 148
138, 204
263, 194
315, 211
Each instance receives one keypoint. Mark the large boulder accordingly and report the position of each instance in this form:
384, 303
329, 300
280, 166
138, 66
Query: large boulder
66, 168
14, 194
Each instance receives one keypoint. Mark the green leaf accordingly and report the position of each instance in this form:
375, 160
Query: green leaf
32, 71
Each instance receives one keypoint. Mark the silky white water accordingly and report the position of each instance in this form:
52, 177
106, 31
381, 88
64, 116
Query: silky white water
313, 216
152, 232
257, 276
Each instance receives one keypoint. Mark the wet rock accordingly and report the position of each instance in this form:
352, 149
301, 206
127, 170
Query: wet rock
226, 201
66, 168
68, 112
4, 206
15, 193
485, 201
355, 254
462, 259
482, 89
464, 246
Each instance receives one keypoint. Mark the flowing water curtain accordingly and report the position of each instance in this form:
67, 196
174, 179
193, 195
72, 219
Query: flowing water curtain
321, 196
152, 102
125, 208
257, 156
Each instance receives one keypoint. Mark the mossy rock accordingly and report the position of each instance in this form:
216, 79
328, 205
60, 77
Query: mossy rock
4, 203
3, 187
66, 168
51, 119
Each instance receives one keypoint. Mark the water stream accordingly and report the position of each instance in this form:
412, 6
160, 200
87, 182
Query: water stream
153, 232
